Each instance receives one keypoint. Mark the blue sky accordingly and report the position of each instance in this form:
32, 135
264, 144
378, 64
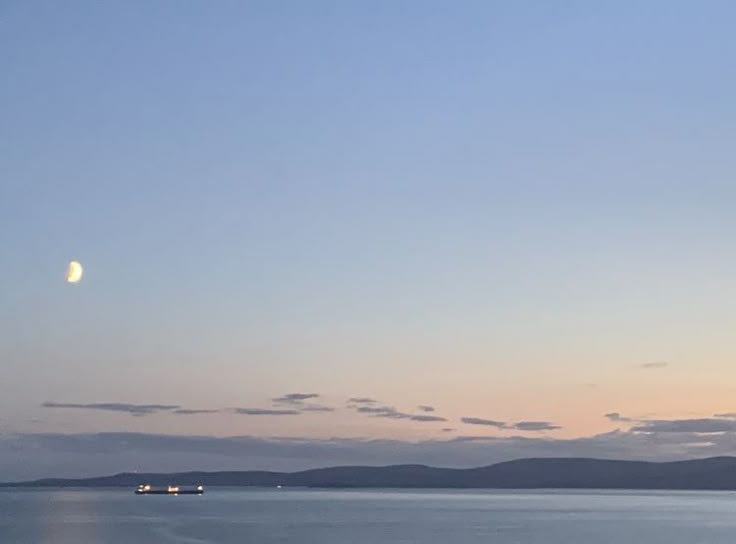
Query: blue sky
500, 209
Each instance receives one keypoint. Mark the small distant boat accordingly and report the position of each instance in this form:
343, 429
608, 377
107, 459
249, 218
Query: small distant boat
147, 489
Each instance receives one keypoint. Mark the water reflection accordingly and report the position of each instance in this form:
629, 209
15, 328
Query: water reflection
71, 516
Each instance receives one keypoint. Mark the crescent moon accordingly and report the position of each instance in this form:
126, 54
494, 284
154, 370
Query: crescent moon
74, 272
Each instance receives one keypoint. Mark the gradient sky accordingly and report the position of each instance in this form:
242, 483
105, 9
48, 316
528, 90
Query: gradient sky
510, 211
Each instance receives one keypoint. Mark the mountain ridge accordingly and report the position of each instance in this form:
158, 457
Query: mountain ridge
713, 473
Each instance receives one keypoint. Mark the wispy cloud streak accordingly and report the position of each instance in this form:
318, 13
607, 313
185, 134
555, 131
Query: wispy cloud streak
389, 412
265, 412
132, 409
524, 426
295, 398
484, 422
654, 365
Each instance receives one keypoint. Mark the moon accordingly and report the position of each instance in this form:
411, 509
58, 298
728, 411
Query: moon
74, 272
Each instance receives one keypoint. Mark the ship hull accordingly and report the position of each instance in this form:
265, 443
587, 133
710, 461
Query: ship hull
147, 489
166, 492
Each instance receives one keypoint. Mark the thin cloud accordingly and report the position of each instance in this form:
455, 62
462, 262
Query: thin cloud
190, 412
481, 421
265, 412
295, 398
534, 426
701, 425
475, 438
654, 365
316, 408
727, 415
296, 401
426, 418
525, 426
389, 412
426, 408
617, 417
378, 410
132, 409
361, 400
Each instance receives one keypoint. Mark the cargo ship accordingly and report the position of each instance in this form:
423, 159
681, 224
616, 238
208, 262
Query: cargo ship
147, 489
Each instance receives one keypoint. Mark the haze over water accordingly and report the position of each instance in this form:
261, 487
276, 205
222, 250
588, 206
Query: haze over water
367, 517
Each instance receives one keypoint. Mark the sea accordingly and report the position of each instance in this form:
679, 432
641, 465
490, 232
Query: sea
258, 516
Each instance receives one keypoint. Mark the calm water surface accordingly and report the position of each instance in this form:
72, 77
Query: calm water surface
224, 516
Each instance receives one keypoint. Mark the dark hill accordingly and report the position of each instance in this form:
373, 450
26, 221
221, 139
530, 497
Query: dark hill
713, 473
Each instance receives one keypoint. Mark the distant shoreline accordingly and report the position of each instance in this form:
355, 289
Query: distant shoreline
711, 474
